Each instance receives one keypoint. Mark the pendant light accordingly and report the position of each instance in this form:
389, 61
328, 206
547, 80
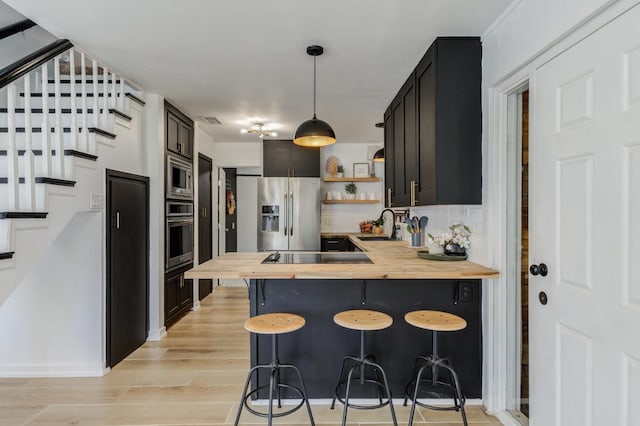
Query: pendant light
314, 132
378, 157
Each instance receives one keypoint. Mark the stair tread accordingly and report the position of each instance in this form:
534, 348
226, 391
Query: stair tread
69, 152
64, 130
44, 179
78, 81
23, 215
68, 111
6, 254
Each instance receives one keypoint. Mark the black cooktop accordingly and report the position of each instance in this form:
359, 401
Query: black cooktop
311, 258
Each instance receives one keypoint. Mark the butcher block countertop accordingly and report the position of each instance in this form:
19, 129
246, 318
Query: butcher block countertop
391, 260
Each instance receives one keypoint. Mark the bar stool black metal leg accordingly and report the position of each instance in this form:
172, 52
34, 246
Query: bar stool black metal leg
415, 394
244, 393
387, 390
304, 391
346, 395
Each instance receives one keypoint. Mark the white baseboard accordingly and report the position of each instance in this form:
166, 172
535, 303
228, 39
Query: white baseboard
53, 370
157, 335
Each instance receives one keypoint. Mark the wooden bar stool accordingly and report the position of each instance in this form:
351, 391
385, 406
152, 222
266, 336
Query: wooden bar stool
362, 320
435, 321
274, 324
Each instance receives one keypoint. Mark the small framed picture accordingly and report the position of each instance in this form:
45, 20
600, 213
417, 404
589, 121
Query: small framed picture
361, 170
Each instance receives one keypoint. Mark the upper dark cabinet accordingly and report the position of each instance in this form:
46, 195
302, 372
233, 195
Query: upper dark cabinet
179, 131
283, 158
433, 148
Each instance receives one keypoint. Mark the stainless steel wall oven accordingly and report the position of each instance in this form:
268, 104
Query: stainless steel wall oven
179, 234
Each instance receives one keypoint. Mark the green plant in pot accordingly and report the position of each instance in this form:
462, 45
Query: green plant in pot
351, 189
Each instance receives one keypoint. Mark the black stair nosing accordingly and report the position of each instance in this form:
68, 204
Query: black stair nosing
89, 81
135, 98
66, 111
23, 215
44, 179
96, 130
120, 114
69, 152
6, 255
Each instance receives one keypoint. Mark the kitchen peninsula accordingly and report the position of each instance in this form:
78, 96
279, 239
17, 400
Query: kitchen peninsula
395, 281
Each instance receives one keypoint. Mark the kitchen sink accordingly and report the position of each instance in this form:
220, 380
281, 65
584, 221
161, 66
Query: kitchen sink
374, 238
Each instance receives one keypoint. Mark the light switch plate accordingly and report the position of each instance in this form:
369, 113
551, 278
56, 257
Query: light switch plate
96, 201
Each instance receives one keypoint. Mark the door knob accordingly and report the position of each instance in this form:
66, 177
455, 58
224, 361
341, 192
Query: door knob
541, 270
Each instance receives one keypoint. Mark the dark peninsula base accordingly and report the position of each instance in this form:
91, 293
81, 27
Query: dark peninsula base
318, 348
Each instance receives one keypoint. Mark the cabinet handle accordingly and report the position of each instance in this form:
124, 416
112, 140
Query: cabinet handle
389, 197
414, 185
181, 281
117, 220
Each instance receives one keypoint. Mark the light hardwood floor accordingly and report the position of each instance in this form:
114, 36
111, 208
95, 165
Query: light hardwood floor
194, 376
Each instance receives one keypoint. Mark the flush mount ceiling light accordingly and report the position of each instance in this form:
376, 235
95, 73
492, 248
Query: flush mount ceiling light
314, 132
261, 130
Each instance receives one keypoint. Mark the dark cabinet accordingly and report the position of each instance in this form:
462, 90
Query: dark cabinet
178, 296
179, 131
283, 158
433, 146
336, 244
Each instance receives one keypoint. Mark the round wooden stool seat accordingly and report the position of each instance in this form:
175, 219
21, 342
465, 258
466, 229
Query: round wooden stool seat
435, 320
362, 319
276, 323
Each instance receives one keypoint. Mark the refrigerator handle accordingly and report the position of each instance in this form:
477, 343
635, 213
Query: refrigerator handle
286, 213
292, 214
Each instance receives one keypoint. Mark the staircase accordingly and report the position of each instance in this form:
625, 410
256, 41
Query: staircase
59, 131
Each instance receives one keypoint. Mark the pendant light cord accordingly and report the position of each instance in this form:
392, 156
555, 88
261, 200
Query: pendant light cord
314, 86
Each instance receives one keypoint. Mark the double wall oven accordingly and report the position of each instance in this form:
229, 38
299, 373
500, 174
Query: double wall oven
179, 212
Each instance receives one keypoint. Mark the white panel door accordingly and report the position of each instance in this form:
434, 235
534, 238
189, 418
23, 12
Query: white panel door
585, 227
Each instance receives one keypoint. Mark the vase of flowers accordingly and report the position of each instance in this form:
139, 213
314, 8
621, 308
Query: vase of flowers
456, 241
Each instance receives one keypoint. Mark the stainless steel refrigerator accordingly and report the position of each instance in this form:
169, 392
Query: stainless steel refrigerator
288, 214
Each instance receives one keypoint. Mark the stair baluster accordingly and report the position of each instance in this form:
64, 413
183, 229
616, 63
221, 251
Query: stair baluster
85, 125
74, 106
12, 152
105, 97
121, 95
96, 111
29, 172
58, 131
112, 102
45, 160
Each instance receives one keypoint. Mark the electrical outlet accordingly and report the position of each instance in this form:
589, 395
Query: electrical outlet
96, 201
465, 291
326, 221
464, 211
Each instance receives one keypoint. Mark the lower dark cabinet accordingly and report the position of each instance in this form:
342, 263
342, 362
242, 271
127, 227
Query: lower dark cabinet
336, 244
178, 296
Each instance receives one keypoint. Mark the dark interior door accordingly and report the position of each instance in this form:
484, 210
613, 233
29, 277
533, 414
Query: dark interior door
127, 264
205, 230
231, 231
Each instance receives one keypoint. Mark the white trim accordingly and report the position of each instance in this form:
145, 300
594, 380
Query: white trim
53, 370
500, 19
495, 139
157, 334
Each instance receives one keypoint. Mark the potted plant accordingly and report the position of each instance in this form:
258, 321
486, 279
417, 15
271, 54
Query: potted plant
351, 189
340, 171
455, 242
377, 225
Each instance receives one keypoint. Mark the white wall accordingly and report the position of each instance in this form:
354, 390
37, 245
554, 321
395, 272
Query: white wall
54, 322
231, 154
346, 217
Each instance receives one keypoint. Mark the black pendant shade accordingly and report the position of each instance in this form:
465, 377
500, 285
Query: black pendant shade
378, 157
314, 132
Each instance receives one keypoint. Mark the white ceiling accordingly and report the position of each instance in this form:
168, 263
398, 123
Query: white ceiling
234, 59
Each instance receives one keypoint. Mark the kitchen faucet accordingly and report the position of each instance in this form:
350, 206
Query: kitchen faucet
393, 222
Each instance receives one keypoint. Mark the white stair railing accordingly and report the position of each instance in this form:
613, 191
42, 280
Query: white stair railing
58, 130
29, 172
28, 166
46, 127
85, 125
74, 106
12, 151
